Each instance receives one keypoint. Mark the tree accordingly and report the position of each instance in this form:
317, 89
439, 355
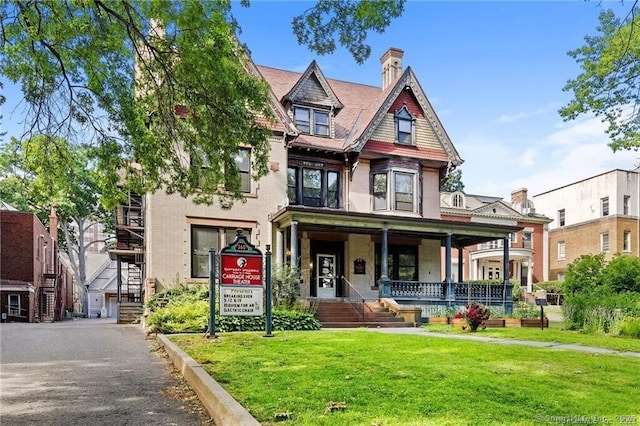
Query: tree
453, 182
41, 172
162, 85
608, 84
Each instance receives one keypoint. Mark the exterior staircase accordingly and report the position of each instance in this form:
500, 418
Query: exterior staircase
338, 313
130, 313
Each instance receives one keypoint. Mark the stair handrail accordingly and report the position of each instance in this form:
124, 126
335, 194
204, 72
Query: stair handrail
354, 298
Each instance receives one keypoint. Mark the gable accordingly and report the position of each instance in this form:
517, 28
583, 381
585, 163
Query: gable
313, 88
311, 91
430, 134
497, 209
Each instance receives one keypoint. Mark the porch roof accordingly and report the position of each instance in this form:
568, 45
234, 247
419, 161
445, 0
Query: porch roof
339, 221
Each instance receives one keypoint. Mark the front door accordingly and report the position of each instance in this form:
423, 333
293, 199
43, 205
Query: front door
326, 275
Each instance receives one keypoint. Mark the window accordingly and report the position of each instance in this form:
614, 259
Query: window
311, 187
527, 239
625, 205
560, 277
205, 238
315, 187
404, 191
243, 161
561, 221
312, 121
604, 242
491, 245
513, 237
561, 248
457, 200
604, 206
14, 305
302, 119
292, 179
404, 126
321, 120
380, 191
402, 262
403, 197
626, 241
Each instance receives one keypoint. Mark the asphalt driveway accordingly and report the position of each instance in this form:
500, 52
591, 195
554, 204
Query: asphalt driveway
86, 371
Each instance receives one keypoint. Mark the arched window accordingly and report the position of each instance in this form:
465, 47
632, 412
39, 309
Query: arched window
457, 200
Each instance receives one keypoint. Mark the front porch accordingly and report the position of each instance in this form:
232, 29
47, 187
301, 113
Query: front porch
363, 257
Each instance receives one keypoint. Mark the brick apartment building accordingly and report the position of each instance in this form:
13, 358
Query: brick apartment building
34, 284
595, 215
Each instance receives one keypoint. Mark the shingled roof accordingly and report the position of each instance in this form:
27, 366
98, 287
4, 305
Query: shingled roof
359, 109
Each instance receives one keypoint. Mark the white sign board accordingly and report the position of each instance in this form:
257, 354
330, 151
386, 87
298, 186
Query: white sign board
241, 300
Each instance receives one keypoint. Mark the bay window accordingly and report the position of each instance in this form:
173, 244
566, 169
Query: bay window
313, 184
395, 190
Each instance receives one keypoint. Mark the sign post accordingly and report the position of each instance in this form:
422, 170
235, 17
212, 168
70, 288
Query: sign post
541, 300
268, 321
212, 294
241, 275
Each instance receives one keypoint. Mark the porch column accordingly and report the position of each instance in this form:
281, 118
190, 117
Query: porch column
384, 284
279, 248
474, 269
450, 294
508, 287
460, 265
294, 244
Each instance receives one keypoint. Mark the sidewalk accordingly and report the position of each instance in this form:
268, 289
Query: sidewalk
534, 343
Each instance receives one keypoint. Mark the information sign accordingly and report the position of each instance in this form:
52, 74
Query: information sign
241, 301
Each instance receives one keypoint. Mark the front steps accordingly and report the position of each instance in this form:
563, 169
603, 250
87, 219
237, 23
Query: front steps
130, 313
341, 314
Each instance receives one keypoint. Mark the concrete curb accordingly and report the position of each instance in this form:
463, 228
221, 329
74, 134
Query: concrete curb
223, 409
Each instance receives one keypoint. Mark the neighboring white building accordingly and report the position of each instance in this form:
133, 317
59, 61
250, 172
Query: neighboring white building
594, 215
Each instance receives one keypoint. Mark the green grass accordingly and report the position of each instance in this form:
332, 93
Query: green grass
386, 379
555, 333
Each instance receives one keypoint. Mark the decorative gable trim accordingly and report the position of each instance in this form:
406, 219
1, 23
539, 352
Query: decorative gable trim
409, 80
313, 70
497, 209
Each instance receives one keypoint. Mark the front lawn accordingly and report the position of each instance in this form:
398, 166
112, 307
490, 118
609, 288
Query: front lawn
358, 377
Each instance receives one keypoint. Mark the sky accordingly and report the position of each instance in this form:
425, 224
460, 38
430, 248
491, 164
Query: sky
493, 71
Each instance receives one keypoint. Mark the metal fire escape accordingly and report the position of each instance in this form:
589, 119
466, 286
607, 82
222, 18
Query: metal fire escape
130, 252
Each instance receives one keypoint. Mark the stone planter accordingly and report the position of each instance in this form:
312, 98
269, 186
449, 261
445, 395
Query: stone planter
534, 322
439, 320
494, 322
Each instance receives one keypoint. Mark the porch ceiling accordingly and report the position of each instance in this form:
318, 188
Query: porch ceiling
338, 221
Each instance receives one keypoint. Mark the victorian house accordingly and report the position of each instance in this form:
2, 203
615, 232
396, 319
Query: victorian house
528, 247
352, 198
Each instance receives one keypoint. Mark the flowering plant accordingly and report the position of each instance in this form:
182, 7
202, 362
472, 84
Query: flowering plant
475, 314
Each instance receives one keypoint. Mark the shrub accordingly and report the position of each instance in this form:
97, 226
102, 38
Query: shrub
284, 286
185, 309
630, 326
475, 314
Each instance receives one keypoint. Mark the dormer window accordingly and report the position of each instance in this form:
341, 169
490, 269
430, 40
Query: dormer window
404, 126
312, 121
457, 200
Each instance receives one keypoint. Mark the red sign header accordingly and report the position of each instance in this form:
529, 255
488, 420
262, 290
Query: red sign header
239, 269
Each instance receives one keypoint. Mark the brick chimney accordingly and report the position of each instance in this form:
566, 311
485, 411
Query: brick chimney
518, 196
53, 222
391, 66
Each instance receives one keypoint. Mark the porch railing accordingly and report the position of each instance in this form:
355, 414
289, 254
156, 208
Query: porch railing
353, 297
438, 291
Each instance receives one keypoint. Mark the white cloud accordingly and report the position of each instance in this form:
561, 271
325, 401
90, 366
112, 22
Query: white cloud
510, 118
575, 151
